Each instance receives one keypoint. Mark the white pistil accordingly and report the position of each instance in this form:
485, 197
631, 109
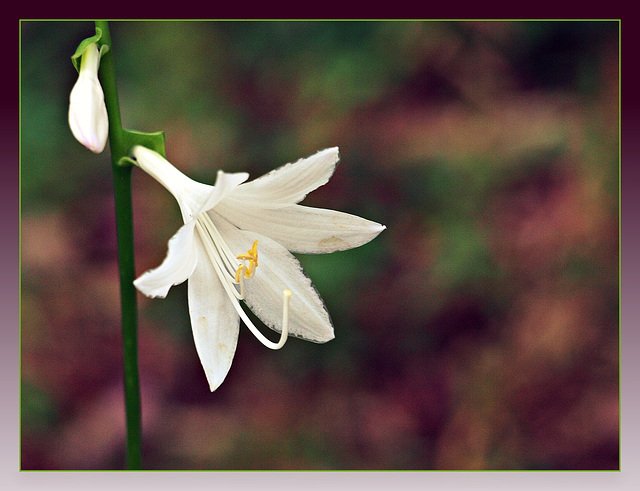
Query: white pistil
227, 255
231, 272
219, 253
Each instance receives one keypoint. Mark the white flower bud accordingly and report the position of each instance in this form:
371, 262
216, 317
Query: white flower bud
87, 112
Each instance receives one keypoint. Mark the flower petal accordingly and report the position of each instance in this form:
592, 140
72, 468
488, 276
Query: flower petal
179, 264
290, 183
303, 229
225, 184
214, 321
278, 270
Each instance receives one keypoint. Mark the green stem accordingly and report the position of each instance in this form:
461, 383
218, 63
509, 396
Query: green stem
124, 225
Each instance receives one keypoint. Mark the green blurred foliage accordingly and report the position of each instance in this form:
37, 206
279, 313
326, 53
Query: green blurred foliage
479, 331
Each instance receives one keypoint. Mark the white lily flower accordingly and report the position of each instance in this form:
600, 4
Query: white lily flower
263, 218
87, 111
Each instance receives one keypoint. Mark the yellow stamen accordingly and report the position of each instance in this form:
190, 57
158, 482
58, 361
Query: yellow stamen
221, 258
252, 256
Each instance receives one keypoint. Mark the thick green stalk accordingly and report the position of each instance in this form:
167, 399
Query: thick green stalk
124, 225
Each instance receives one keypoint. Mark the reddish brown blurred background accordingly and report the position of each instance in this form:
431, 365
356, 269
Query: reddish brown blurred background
479, 331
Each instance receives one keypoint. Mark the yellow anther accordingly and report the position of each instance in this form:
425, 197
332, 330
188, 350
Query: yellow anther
252, 256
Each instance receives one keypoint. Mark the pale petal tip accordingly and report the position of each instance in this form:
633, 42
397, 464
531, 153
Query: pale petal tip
96, 148
230, 178
214, 383
376, 229
215, 377
148, 291
329, 337
332, 150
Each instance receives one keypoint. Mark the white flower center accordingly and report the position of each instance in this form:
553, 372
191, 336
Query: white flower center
232, 271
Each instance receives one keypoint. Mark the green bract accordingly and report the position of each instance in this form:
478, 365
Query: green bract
153, 141
76, 57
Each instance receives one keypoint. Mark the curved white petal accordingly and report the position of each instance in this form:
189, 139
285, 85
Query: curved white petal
181, 260
225, 184
303, 229
214, 321
290, 183
278, 270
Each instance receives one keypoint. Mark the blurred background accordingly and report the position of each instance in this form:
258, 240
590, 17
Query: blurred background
479, 331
